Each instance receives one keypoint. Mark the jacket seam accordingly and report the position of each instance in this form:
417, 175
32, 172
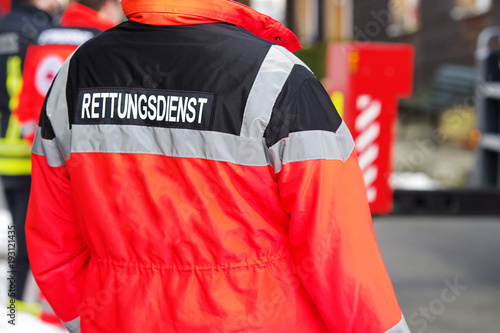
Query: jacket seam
260, 262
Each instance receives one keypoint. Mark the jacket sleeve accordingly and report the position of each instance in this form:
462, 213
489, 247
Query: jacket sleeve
57, 251
331, 232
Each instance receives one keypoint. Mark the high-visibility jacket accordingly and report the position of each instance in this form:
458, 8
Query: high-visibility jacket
17, 29
190, 176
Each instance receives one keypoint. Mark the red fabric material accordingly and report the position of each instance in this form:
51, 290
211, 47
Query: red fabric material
334, 245
36, 78
5, 6
136, 242
147, 220
187, 12
78, 15
55, 240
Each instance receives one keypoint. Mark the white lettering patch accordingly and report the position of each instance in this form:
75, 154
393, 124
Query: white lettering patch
160, 108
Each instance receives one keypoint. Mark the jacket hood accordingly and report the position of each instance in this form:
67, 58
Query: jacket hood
188, 12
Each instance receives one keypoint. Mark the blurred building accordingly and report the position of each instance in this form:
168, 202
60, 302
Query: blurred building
319, 20
443, 32
311, 20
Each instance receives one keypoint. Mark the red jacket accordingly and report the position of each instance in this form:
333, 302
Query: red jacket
197, 178
78, 15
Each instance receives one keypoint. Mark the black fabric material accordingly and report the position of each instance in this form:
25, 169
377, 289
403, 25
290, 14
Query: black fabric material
17, 200
144, 107
296, 108
214, 58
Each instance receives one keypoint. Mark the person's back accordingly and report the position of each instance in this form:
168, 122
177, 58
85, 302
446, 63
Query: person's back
192, 165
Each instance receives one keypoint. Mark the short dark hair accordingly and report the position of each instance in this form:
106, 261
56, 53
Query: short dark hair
93, 4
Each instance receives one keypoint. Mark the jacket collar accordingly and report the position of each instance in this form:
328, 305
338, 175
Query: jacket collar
188, 12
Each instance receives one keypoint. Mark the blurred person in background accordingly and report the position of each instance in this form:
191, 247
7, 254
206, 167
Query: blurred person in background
20, 27
80, 21
190, 174
98, 14
43, 59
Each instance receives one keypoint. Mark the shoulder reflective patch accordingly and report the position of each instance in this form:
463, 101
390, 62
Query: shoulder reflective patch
47, 148
144, 107
270, 79
312, 145
58, 113
9, 43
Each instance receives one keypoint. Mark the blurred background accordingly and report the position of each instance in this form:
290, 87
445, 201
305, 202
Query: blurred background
438, 228
418, 83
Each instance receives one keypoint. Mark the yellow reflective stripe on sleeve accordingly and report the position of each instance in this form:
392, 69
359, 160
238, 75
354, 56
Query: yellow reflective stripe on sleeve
14, 82
14, 148
13, 130
15, 153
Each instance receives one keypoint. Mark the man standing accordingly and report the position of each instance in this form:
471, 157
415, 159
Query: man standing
17, 29
190, 175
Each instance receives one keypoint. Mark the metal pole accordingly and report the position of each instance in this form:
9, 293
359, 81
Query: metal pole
321, 21
290, 14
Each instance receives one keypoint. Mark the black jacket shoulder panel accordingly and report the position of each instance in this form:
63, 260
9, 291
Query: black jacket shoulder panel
303, 105
216, 58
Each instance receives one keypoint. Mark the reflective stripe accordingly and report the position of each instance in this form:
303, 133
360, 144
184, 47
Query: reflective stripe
47, 148
215, 146
272, 75
14, 148
14, 82
14, 152
57, 111
400, 327
15, 166
311, 145
14, 129
73, 326
292, 57
173, 142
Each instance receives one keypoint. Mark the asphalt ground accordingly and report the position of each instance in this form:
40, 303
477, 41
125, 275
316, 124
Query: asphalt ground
445, 271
